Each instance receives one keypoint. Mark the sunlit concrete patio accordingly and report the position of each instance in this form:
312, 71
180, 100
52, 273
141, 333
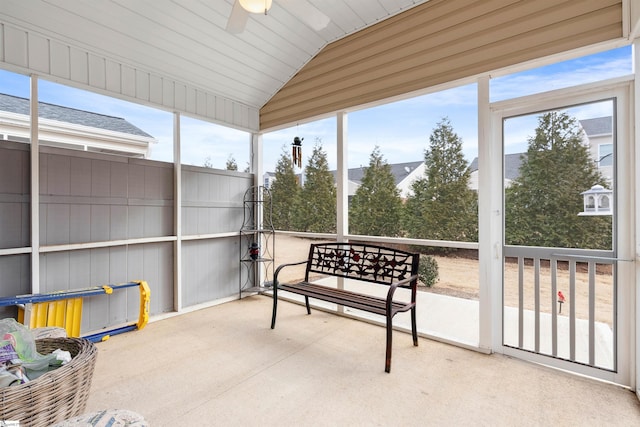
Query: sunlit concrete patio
224, 366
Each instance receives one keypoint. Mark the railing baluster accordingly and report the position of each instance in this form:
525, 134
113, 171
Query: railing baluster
572, 310
536, 298
521, 302
554, 307
592, 312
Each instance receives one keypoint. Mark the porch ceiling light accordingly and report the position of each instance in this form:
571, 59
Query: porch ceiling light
256, 6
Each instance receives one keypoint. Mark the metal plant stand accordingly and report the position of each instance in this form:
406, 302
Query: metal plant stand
257, 242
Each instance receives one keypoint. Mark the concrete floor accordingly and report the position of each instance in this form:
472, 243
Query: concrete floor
225, 366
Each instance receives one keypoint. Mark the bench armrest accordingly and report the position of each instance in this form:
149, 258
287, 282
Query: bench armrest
280, 267
394, 286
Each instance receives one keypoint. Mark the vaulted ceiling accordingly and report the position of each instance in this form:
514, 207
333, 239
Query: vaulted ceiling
186, 40
178, 55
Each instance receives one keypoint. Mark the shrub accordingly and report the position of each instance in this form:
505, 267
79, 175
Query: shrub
428, 270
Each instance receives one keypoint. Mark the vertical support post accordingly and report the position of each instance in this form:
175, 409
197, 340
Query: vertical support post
489, 221
177, 214
634, 191
35, 188
342, 211
342, 190
257, 169
257, 166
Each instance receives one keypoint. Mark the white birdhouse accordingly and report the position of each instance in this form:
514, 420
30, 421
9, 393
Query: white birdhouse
597, 201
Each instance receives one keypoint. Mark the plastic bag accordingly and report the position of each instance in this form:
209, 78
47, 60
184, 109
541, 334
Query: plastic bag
24, 344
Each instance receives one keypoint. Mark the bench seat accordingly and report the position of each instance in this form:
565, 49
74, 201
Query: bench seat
368, 303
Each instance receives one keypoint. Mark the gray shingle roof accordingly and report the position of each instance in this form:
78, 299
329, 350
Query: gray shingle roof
597, 126
19, 105
512, 164
399, 170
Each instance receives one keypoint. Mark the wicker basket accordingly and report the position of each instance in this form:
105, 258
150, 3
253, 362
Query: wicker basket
56, 395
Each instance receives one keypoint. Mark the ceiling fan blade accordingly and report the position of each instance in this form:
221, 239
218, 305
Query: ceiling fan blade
238, 19
307, 13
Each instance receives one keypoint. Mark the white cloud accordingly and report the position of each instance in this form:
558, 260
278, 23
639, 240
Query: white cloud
574, 72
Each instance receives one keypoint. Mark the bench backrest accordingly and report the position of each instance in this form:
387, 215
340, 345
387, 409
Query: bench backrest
370, 263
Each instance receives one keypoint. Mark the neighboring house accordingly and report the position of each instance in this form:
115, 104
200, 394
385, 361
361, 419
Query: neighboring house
71, 128
404, 173
270, 177
598, 134
512, 163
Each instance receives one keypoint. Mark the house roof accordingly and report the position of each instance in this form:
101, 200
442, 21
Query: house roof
512, 164
18, 105
399, 170
597, 126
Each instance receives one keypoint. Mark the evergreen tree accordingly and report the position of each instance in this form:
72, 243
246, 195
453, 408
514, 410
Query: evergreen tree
543, 203
376, 208
442, 207
316, 208
284, 193
231, 163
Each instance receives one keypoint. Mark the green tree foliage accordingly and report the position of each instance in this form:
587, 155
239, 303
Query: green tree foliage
284, 193
231, 163
316, 208
543, 203
428, 270
442, 207
376, 208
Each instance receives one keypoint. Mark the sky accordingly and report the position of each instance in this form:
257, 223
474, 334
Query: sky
401, 129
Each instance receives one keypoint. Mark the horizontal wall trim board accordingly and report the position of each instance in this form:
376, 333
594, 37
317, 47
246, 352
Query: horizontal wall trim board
94, 200
210, 236
212, 204
14, 198
106, 244
15, 251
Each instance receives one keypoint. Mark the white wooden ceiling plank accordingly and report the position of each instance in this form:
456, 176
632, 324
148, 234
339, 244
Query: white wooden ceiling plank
343, 16
368, 11
182, 42
113, 44
246, 41
172, 43
274, 38
286, 27
199, 32
394, 6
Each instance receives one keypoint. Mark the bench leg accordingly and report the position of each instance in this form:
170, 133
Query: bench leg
387, 363
414, 328
275, 308
306, 300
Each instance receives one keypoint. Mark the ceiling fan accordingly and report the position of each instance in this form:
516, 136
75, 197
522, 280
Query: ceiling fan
302, 9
